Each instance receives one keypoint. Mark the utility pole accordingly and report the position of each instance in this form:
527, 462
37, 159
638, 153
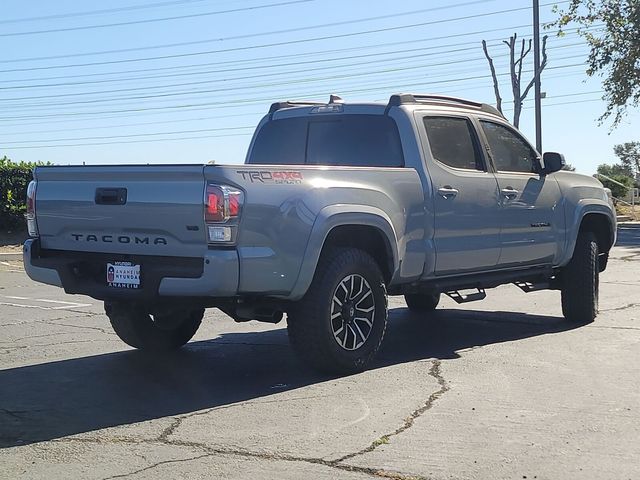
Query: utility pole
536, 72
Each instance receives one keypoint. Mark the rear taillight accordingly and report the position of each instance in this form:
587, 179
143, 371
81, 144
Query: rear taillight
222, 208
32, 225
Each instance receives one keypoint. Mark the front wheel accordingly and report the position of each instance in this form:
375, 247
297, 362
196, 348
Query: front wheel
580, 281
339, 324
156, 333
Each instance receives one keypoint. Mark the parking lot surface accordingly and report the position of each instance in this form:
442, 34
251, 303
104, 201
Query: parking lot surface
500, 389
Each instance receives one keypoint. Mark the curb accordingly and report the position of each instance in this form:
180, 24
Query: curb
10, 257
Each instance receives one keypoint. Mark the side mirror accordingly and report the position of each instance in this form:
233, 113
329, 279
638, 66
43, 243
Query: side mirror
553, 162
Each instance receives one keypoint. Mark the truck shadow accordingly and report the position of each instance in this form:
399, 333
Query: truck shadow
57, 399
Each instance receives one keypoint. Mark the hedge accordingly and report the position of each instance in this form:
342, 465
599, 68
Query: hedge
14, 179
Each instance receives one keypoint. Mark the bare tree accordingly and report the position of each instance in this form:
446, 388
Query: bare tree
515, 72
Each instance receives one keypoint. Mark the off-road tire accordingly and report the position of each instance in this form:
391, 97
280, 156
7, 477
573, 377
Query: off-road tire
310, 327
580, 281
136, 327
422, 302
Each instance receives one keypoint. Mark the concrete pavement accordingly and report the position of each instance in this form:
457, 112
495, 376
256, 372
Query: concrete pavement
499, 389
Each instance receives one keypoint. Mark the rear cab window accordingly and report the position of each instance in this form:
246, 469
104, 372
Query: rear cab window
339, 140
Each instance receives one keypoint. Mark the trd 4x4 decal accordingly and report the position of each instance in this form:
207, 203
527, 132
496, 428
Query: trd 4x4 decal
289, 177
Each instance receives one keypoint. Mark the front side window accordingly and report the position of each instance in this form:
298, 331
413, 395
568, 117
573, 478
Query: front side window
509, 151
452, 141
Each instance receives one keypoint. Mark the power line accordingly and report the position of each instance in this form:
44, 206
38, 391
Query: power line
180, 132
153, 20
226, 115
200, 118
274, 44
99, 12
132, 141
240, 87
235, 102
109, 137
219, 136
251, 67
260, 75
249, 101
276, 57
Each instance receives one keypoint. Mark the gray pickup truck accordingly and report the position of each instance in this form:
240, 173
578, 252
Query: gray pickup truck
337, 206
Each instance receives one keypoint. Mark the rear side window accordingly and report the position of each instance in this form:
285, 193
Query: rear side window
344, 140
281, 142
453, 142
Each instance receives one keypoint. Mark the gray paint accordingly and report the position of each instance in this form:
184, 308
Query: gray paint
42, 275
283, 226
219, 278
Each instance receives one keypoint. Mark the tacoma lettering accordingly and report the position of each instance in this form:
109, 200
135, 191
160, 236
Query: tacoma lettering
124, 239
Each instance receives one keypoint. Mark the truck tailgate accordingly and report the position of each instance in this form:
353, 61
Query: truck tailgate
134, 209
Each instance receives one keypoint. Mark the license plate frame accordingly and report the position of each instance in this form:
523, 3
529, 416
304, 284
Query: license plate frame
123, 275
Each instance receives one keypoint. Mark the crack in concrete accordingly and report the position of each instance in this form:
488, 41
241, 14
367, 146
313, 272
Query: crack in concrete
630, 284
612, 327
14, 413
44, 320
338, 464
99, 329
52, 334
209, 451
435, 372
70, 342
618, 309
157, 464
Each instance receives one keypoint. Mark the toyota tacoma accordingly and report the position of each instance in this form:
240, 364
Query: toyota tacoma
337, 206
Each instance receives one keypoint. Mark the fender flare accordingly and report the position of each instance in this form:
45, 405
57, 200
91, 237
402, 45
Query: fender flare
334, 216
583, 208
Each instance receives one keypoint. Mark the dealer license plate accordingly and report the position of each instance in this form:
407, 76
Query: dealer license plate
123, 275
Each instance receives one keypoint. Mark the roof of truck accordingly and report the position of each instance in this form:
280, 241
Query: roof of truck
395, 100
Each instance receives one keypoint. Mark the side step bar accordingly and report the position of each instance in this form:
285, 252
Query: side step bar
480, 293
458, 297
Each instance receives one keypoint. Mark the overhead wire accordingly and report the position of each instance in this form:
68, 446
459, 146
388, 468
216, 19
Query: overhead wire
230, 103
154, 20
266, 45
221, 135
99, 12
262, 85
267, 66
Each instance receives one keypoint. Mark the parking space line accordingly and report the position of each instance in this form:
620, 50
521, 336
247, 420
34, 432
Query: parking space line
60, 305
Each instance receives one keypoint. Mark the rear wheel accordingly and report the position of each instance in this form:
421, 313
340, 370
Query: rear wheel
422, 302
157, 333
340, 323
580, 281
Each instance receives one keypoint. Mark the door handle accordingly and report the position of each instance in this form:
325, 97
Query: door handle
510, 192
447, 192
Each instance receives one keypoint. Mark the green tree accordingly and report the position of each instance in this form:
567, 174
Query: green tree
615, 172
14, 178
629, 155
611, 28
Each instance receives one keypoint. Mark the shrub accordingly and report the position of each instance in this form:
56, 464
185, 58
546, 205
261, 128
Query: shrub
14, 178
616, 190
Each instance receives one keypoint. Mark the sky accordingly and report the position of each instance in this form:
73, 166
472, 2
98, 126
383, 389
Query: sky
186, 81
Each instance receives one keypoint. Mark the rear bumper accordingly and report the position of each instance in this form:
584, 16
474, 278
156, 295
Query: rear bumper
215, 275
